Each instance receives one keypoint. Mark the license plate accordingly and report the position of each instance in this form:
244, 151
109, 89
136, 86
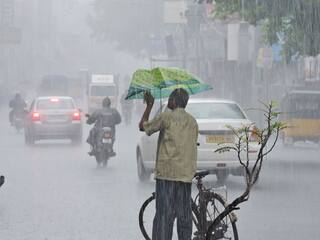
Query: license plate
221, 165
219, 139
57, 118
107, 135
106, 140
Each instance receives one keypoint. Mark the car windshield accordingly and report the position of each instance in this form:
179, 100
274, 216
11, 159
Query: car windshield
54, 103
103, 91
213, 110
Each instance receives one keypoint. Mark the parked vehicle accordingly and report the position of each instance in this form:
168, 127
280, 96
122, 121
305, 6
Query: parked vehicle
53, 117
213, 117
301, 112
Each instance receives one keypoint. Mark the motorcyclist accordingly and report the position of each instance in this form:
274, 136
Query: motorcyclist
105, 117
18, 105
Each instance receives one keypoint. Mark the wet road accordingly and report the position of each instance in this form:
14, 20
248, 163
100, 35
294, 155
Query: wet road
54, 191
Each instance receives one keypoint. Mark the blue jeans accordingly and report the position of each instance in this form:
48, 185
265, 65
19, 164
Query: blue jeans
173, 200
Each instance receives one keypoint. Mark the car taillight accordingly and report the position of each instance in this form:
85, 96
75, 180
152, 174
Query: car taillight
54, 99
107, 135
76, 116
254, 136
35, 116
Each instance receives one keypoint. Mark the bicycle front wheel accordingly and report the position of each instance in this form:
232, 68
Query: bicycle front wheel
227, 228
145, 222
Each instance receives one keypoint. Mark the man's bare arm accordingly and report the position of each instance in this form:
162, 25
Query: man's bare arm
148, 98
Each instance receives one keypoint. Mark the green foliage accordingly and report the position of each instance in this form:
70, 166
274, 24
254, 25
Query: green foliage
226, 7
242, 145
263, 135
298, 21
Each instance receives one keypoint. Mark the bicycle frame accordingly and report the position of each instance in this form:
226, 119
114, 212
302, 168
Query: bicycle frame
200, 210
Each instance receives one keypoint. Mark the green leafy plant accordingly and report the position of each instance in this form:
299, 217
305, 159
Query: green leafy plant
252, 167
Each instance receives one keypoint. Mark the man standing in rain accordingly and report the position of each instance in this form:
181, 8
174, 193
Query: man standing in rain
175, 165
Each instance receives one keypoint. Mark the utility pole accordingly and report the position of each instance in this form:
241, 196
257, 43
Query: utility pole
194, 16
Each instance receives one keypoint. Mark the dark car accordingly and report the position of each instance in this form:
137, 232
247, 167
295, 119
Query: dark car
53, 118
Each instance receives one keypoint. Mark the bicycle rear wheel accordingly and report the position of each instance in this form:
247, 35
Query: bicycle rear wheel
146, 215
227, 228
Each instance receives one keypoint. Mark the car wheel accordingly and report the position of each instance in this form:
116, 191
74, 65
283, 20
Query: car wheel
222, 177
142, 173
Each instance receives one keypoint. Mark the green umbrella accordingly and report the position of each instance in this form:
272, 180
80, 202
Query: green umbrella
162, 81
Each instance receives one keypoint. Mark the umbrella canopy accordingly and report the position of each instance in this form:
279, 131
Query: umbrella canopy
162, 81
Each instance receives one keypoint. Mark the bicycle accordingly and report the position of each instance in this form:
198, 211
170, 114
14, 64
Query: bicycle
206, 206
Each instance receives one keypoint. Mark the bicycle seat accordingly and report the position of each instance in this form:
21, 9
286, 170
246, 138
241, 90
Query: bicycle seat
201, 174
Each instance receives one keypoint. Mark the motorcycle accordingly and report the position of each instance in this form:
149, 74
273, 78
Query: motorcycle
103, 148
103, 145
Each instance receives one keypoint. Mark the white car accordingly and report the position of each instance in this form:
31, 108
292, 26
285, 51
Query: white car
213, 116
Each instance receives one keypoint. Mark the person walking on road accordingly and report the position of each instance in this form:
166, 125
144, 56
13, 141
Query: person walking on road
175, 164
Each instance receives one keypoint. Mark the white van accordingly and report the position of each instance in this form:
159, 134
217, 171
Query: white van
101, 86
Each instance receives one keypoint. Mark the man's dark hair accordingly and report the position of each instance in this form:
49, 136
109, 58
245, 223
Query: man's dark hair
180, 96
